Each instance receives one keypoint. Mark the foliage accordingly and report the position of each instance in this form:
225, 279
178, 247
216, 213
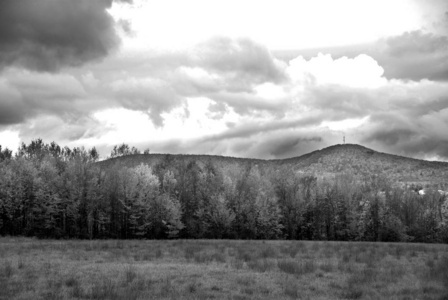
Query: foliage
53, 192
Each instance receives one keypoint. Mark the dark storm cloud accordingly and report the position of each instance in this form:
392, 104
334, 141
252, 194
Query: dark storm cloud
271, 145
228, 65
416, 131
250, 129
54, 128
339, 102
391, 136
154, 95
410, 142
288, 146
240, 59
414, 55
247, 103
11, 106
25, 95
426, 147
49, 34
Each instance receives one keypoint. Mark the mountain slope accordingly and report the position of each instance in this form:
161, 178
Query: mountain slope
348, 158
359, 160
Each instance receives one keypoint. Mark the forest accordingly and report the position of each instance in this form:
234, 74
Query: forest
49, 191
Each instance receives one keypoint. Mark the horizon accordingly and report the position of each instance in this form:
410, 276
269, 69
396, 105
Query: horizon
142, 152
279, 80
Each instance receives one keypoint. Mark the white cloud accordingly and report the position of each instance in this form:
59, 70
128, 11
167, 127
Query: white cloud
359, 72
344, 125
186, 122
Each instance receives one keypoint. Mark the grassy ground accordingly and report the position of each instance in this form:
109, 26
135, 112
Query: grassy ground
202, 269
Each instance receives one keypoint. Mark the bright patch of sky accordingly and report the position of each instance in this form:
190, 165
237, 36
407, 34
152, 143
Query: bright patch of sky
280, 24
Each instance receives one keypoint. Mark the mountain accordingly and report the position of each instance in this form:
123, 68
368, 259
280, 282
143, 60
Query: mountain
347, 158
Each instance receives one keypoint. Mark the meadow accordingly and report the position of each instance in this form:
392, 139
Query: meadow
220, 269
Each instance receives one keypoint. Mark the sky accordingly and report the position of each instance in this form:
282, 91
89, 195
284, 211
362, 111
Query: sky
260, 79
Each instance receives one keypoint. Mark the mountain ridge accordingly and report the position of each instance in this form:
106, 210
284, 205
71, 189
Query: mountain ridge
341, 158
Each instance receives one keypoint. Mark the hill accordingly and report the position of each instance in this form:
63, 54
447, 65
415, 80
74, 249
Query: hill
348, 158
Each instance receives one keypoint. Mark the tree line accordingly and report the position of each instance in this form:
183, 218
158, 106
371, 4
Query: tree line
52, 192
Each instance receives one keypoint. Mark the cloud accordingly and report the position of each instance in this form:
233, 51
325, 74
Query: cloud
414, 55
150, 86
271, 144
288, 146
414, 122
11, 106
250, 103
217, 110
247, 130
47, 35
339, 102
266, 145
230, 97
227, 65
25, 94
418, 53
241, 60
413, 142
400, 116
65, 132
361, 71
145, 94
228, 71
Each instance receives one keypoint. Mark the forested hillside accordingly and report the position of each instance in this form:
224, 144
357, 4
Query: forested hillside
344, 192
350, 159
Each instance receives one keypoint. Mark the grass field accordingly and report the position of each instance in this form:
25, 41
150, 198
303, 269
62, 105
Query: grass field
220, 269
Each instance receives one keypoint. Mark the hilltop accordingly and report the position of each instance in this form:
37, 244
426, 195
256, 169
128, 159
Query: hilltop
347, 158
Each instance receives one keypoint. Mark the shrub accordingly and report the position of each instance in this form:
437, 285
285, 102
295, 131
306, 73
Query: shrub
130, 274
103, 289
159, 253
7, 270
268, 252
166, 288
20, 262
438, 271
190, 251
288, 266
291, 289
326, 266
71, 281
261, 265
309, 266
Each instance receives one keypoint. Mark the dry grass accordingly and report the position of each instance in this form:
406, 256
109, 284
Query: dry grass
222, 269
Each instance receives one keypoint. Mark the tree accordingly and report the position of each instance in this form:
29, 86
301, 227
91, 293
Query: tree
218, 218
122, 150
143, 189
5, 154
189, 193
290, 201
